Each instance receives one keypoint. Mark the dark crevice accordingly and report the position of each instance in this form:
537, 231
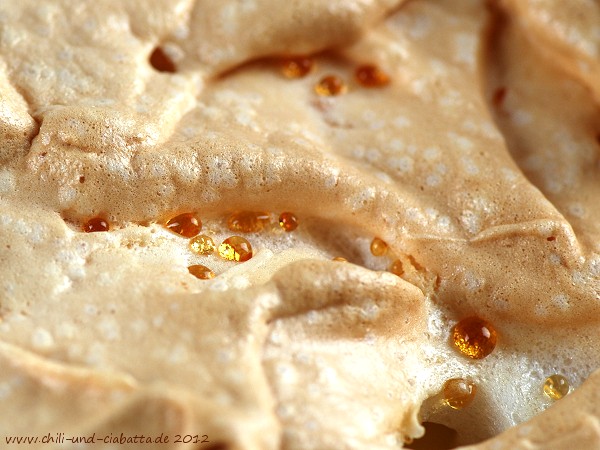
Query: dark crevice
437, 437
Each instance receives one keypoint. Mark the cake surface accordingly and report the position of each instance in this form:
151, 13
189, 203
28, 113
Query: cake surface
463, 135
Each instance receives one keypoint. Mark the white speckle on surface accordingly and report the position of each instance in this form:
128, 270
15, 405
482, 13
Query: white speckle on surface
219, 285
444, 223
372, 155
228, 18
5, 390
421, 87
524, 430
332, 177
403, 164
109, 329
401, 122
370, 311
96, 354
220, 173
66, 330
63, 284
555, 259
469, 166
431, 153
465, 47
384, 177
90, 309
471, 221
509, 174
312, 317
41, 339
472, 282
521, 117
240, 282
396, 145
433, 180
178, 355
361, 199
7, 182
561, 301
66, 195
576, 210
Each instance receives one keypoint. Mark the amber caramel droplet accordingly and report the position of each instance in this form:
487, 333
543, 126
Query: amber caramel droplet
161, 61
370, 76
556, 387
499, 96
297, 66
248, 221
187, 225
202, 272
339, 259
235, 248
396, 268
288, 221
330, 85
202, 245
459, 393
96, 224
378, 247
474, 337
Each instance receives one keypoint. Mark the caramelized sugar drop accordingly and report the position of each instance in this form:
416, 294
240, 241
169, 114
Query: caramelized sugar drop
187, 225
474, 337
201, 272
297, 66
378, 247
202, 245
396, 267
370, 76
288, 221
235, 248
556, 387
161, 61
96, 224
248, 221
330, 85
459, 393
339, 259
499, 96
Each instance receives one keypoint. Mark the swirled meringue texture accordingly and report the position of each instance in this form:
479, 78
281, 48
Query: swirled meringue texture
478, 165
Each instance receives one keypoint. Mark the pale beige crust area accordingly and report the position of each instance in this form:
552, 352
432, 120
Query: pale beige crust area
478, 165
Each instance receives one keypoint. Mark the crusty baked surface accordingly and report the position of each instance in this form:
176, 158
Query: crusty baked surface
478, 164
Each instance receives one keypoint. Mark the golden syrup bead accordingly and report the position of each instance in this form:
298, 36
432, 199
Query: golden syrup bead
201, 272
556, 387
187, 225
396, 268
297, 66
474, 337
161, 61
499, 96
458, 393
330, 85
339, 259
371, 76
288, 221
202, 245
96, 224
235, 248
378, 247
248, 221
